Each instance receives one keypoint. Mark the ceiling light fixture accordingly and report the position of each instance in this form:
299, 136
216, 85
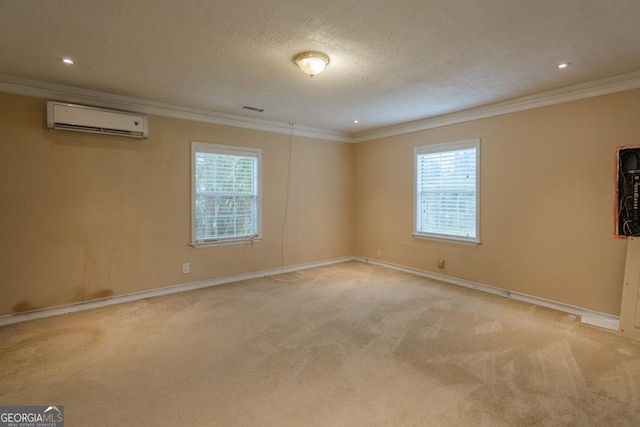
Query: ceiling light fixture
311, 63
67, 61
563, 65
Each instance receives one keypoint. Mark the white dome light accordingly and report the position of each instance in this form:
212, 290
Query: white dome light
311, 63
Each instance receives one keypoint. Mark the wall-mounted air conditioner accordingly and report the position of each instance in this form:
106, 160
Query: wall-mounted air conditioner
82, 118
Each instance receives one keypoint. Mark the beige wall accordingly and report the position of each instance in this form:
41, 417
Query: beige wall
87, 216
546, 201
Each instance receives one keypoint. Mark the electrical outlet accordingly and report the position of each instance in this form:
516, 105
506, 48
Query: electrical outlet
378, 253
440, 263
185, 268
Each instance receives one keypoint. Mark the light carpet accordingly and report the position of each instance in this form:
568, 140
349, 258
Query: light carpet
345, 345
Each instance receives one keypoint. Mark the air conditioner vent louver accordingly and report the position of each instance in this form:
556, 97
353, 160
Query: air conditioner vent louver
82, 118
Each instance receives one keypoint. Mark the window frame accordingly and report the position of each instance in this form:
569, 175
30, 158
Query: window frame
445, 147
214, 148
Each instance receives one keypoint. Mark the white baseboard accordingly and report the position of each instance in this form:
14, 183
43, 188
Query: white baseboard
72, 308
606, 321
587, 316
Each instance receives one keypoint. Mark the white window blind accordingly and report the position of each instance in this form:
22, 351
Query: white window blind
446, 198
226, 199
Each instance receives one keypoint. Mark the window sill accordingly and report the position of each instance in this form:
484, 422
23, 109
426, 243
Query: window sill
448, 239
224, 242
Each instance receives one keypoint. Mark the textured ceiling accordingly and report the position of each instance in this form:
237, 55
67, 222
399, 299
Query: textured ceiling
391, 62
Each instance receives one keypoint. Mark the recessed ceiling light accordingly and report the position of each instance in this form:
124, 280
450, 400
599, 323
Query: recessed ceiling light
67, 61
355, 121
563, 65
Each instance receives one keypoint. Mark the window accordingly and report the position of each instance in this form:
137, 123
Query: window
225, 193
447, 191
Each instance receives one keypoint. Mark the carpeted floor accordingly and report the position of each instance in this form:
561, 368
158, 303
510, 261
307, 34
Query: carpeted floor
346, 345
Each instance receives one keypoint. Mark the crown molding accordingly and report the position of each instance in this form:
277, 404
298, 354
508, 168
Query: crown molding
577, 92
606, 86
72, 94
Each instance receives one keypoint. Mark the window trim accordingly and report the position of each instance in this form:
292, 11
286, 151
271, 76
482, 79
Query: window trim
440, 147
197, 146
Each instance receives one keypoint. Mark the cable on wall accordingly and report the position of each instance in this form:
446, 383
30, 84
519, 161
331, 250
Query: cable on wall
284, 261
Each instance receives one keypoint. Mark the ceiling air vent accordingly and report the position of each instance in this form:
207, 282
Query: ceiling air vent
256, 109
82, 118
